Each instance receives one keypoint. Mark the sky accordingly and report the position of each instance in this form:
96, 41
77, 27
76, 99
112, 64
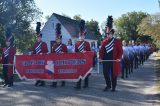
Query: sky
96, 9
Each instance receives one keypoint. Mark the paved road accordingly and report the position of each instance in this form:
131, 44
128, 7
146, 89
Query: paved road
137, 90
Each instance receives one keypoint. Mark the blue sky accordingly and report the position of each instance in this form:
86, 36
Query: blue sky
96, 9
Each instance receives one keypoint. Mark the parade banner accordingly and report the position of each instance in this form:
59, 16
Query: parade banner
65, 66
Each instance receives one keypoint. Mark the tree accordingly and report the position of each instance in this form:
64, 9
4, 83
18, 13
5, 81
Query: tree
145, 38
2, 38
18, 14
93, 27
65, 15
77, 17
150, 26
103, 25
127, 24
47, 17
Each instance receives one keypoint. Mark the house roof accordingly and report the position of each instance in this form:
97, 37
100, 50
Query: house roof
72, 27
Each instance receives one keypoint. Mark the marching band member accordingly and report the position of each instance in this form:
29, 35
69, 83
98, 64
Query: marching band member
7, 60
125, 60
111, 50
82, 46
59, 47
141, 47
39, 48
131, 56
148, 51
145, 51
136, 56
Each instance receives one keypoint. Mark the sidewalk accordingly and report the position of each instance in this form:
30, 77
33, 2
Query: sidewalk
137, 90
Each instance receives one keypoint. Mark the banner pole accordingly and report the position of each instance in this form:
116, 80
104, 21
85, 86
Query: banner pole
99, 60
7, 64
98, 66
14, 72
107, 60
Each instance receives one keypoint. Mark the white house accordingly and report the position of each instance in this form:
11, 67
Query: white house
69, 30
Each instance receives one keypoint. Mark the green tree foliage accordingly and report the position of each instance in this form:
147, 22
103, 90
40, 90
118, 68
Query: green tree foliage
145, 38
150, 26
127, 24
93, 27
47, 17
65, 15
77, 17
103, 25
2, 36
1, 39
18, 14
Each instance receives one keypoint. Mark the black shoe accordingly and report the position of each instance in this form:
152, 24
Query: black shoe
85, 86
122, 77
10, 85
36, 84
106, 88
41, 84
63, 84
113, 90
5, 85
77, 87
2, 83
54, 85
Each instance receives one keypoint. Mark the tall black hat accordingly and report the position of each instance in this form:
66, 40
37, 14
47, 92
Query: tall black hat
82, 28
9, 36
58, 31
38, 30
109, 25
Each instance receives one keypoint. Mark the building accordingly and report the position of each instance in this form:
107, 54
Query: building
69, 29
